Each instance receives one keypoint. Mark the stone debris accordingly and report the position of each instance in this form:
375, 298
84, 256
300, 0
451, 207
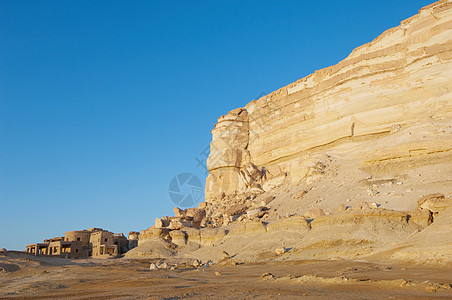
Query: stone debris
342, 207
299, 194
225, 256
267, 276
163, 265
196, 263
281, 250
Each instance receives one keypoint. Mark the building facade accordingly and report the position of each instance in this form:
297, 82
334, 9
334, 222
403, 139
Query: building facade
94, 242
105, 243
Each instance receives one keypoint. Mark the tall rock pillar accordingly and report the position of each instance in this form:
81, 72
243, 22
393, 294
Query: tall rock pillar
228, 154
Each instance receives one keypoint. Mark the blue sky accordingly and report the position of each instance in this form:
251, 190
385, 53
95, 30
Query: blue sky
102, 103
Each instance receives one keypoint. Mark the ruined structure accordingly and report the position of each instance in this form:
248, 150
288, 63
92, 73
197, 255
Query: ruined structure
82, 244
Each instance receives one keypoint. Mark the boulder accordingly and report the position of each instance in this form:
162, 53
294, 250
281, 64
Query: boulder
363, 205
255, 213
281, 250
196, 263
236, 209
179, 223
179, 212
197, 215
299, 194
162, 222
267, 200
342, 207
163, 265
267, 276
224, 256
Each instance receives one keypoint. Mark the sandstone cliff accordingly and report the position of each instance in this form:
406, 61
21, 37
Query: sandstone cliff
401, 79
334, 164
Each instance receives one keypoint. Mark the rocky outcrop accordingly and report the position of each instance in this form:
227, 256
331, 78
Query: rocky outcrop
229, 163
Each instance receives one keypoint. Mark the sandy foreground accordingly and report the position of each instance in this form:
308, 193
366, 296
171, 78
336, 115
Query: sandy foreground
28, 277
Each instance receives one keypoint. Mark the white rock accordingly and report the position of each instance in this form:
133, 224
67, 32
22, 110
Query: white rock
196, 263
163, 265
281, 250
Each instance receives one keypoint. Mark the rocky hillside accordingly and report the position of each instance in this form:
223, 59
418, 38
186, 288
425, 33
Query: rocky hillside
352, 161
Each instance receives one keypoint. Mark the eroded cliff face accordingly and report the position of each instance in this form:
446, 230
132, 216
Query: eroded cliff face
401, 79
353, 161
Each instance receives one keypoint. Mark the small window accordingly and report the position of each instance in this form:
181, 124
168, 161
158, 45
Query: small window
106, 239
78, 239
76, 250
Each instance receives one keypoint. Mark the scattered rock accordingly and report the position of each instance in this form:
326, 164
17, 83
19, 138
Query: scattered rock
225, 255
255, 213
281, 250
267, 200
299, 194
236, 209
163, 265
363, 205
342, 207
153, 266
396, 128
267, 276
217, 273
196, 263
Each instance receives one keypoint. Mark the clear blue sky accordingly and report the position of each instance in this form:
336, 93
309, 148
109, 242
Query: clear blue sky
103, 102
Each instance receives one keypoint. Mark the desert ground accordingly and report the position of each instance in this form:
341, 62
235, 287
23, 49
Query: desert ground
24, 276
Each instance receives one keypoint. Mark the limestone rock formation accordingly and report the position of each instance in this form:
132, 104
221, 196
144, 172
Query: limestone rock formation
401, 79
335, 164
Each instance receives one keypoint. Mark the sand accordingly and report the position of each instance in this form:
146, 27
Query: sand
29, 277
